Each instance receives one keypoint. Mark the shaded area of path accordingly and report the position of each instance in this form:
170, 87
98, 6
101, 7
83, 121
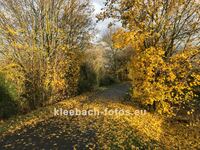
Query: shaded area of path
62, 133
115, 92
53, 133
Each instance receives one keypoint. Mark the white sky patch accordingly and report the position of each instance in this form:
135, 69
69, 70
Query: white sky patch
101, 26
98, 4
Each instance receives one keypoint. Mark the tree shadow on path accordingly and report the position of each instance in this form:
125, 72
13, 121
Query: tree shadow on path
54, 133
113, 93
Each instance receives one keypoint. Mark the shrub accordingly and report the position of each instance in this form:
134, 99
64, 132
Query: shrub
40, 56
107, 80
8, 104
87, 79
164, 42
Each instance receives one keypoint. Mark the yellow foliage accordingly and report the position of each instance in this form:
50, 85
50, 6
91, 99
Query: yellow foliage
148, 131
155, 79
165, 82
162, 69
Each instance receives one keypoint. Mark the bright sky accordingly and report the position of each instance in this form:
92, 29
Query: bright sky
102, 25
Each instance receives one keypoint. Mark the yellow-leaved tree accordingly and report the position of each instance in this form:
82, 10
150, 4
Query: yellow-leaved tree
41, 44
164, 36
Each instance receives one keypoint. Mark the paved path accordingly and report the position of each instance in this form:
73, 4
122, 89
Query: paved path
56, 133
115, 92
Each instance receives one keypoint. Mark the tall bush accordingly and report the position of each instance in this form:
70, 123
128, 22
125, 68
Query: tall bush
164, 37
8, 97
41, 45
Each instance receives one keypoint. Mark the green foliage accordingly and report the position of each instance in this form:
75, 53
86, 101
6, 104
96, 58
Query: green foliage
107, 80
87, 79
8, 104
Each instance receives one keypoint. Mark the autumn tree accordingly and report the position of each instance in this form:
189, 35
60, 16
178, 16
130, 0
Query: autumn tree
118, 58
164, 36
41, 44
